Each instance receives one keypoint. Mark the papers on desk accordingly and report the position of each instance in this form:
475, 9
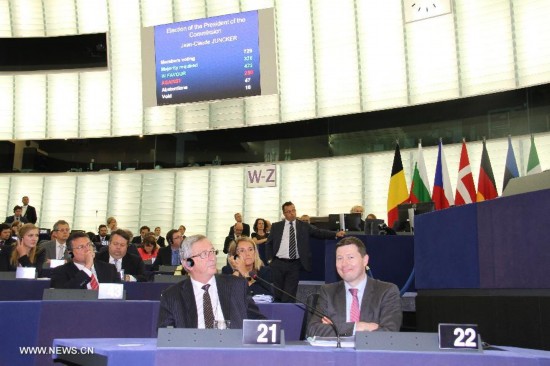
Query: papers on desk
262, 299
345, 342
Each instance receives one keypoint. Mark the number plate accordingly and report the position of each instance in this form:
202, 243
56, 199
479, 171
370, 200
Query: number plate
261, 331
458, 336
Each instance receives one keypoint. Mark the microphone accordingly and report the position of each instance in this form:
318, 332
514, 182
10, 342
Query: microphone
254, 275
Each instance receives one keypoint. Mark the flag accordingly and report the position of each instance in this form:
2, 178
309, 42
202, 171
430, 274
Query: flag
465, 188
397, 192
420, 191
533, 164
442, 194
486, 187
511, 168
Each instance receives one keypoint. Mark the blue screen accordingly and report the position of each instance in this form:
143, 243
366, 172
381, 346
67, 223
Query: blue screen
207, 59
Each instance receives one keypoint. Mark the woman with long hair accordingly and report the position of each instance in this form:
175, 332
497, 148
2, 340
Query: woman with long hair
25, 252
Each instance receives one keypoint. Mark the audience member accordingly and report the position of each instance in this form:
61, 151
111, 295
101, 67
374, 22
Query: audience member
159, 239
205, 297
118, 255
239, 219
237, 233
102, 238
15, 226
149, 250
83, 272
112, 224
243, 259
288, 249
260, 237
356, 303
5, 235
371, 216
57, 249
28, 212
24, 253
305, 218
169, 255
182, 229
17, 216
143, 231
360, 210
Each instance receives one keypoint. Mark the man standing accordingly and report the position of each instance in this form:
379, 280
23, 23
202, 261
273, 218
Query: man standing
131, 264
160, 239
204, 297
287, 248
57, 248
83, 271
356, 303
17, 216
239, 219
169, 255
28, 211
237, 232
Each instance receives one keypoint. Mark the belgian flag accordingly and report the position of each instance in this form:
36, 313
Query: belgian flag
397, 192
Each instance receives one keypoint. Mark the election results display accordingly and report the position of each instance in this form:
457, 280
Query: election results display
228, 56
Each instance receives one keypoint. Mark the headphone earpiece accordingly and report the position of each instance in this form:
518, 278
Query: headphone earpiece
190, 262
71, 254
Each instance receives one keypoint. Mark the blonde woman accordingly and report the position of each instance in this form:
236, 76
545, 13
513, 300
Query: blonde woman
25, 253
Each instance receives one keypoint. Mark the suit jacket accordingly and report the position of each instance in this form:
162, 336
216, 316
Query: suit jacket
381, 304
161, 241
227, 243
164, 258
69, 276
136, 240
246, 230
179, 309
303, 232
11, 219
50, 247
131, 264
97, 238
30, 215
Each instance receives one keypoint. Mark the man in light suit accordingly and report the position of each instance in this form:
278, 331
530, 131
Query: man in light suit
78, 273
286, 263
357, 303
196, 301
57, 248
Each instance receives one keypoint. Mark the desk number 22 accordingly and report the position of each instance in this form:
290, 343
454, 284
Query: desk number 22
264, 329
461, 333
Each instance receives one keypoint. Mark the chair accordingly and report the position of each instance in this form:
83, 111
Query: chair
311, 301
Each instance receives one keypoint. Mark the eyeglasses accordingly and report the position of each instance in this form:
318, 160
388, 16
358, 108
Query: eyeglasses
205, 254
80, 247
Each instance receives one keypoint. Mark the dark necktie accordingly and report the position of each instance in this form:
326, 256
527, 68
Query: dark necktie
207, 308
291, 242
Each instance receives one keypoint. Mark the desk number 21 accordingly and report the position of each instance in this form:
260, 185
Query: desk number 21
264, 330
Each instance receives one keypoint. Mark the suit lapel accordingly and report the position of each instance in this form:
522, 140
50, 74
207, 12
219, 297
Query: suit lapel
340, 303
190, 316
366, 300
224, 297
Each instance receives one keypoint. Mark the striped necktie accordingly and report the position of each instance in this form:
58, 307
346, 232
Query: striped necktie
354, 314
94, 283
291, 242
207, 308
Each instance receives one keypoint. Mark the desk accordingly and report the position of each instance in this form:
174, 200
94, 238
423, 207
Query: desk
142, 352
46, 320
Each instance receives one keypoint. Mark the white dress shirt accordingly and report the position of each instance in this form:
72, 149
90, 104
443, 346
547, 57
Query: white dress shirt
283, 249
213, 292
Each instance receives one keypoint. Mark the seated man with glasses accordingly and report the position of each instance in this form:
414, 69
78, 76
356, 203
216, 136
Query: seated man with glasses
83, 272
205, 297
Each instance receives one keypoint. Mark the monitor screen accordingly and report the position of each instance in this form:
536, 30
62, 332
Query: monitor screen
352, 222
372, 226
419, 209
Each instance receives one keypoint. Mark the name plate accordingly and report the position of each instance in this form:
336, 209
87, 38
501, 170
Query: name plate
459, 336
262, 332
28, 273
112, 291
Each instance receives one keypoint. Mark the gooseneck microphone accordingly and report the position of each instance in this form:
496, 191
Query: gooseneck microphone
254, 275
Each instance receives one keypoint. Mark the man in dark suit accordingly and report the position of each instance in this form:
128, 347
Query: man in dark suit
356, 303
5, 236
160, 240
204, 297
28, 211
118, 255
102, 238
239, 219
287, 248
84, 271
143, 232
17, 216
169, 255
237, 233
